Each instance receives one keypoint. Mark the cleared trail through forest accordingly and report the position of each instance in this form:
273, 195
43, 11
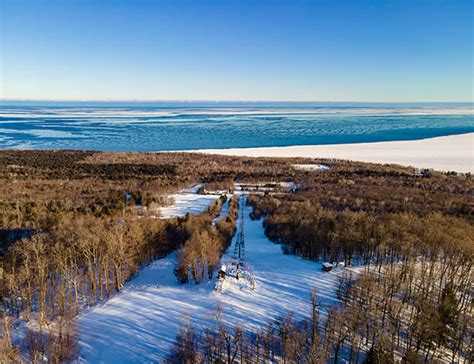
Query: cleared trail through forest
140, 323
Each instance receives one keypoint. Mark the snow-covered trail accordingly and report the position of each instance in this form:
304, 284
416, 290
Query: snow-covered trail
140, 323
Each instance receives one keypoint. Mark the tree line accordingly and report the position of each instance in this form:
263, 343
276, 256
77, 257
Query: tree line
200, 254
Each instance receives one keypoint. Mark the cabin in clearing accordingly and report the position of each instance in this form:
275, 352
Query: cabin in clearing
327, 267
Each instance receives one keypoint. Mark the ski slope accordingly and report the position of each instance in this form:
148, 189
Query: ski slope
187, 201
140, 323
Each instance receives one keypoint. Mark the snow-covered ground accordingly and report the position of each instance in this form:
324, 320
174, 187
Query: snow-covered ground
140, 323
311, 167
449, 153
187, 201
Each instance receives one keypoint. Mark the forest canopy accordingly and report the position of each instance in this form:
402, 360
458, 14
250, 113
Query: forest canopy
72, 235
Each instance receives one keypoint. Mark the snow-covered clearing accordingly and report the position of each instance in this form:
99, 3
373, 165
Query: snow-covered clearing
140, 323
311, 167
187, 201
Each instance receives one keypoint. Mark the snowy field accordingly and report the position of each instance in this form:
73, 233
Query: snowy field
140, 323
311, 167
187, 201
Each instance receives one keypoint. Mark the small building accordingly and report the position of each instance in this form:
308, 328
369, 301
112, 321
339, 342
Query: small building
423, 173
221, 273
327, 267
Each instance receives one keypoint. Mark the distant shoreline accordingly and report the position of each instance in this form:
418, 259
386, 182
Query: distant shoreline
446, 153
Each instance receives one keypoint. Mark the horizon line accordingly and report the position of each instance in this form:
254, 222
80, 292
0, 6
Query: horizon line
228, 101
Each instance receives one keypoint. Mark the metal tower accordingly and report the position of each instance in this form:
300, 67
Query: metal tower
239, 248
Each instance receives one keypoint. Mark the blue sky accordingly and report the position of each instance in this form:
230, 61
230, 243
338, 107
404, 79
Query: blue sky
237, 50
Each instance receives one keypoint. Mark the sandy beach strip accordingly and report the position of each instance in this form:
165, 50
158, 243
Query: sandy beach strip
449, 153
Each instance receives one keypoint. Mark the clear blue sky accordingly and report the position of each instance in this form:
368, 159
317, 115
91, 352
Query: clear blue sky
237, 50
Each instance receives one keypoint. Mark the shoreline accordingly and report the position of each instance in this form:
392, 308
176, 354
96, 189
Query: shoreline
446, 153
